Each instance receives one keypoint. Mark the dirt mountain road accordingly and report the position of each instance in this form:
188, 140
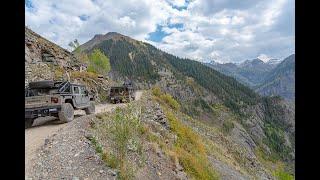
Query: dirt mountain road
44, 127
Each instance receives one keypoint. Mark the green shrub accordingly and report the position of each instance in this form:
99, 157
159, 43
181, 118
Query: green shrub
199, 102
96, 145
227, 126
276, 141
280, 174
168, 99
156, 91
124, 130
111, 160
165, 98
98, 62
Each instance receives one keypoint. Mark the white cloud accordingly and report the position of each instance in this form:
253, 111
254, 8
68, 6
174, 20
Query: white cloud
178, 3
222, 30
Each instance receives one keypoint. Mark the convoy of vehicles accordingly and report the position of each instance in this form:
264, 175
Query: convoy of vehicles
60, 99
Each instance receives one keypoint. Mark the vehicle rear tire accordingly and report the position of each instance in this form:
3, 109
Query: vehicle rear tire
91, 109
28, 123
66, 114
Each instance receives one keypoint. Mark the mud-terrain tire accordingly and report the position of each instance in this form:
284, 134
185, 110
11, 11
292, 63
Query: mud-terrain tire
28, 123
66, 114
91, 109
41, 84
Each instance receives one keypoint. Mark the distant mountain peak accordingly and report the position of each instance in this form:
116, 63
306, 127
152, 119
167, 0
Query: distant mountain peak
263, 58
98, 38
213, 62
253, 62
258, 61
274, 61
113, 34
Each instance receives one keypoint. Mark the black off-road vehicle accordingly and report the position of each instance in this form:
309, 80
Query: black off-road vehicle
120, 94
56, 98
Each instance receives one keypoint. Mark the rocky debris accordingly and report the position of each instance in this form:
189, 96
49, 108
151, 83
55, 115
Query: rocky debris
47, 57
154, 113
158, 166
227, 173
70, 155
37, 71
242, 138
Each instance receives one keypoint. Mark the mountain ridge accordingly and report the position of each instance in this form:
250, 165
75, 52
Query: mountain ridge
257, 75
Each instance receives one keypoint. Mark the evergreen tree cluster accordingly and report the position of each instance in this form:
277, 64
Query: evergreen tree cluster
233, 93
137, 66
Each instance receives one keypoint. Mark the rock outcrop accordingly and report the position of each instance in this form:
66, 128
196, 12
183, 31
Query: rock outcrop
43, 56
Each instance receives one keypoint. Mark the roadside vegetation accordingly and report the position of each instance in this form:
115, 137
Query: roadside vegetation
119, 132
189, 147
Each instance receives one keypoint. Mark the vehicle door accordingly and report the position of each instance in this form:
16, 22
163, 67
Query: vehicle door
85, 99
77, 96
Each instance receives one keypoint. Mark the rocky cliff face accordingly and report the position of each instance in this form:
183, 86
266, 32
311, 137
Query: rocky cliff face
41, 56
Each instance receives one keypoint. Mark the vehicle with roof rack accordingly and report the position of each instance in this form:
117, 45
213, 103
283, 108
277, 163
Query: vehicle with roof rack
56, 98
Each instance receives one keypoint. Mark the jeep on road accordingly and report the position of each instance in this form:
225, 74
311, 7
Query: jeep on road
56, 98
124, 93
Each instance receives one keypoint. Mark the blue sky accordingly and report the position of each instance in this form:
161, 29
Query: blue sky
203, 30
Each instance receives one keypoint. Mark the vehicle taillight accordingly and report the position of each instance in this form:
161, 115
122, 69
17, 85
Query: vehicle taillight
54, 100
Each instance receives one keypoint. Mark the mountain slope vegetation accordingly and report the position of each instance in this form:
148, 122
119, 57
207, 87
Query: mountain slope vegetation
205, 94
